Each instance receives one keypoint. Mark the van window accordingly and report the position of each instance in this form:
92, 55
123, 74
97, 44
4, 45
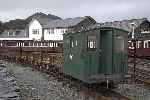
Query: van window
92, 43
71, 43
119, 44
76, 42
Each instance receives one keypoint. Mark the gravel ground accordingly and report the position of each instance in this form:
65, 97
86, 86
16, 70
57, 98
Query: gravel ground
35, 84
135, 91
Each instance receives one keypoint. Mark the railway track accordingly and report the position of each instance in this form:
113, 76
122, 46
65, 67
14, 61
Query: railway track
142, 70
95, 91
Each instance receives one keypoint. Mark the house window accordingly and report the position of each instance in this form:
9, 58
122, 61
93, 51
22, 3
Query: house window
62, 31
91, 42
146, 45
35, 31
17, 32
52, 31
48, 31
11, 34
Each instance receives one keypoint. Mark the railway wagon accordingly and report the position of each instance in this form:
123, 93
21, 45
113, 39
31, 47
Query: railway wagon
96, 55
140, 53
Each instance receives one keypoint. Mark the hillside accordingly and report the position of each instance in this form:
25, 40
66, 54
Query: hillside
1, 27
42, 15
21, 23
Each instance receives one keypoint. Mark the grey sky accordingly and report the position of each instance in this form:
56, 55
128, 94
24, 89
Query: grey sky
100, 10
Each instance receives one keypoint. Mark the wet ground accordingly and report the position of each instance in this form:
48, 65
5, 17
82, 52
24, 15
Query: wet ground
37, 85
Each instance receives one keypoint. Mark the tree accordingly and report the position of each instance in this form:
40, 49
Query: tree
1, 27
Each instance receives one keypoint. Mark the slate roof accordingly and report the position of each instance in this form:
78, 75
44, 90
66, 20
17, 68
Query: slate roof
18, 34
69, 22
93, 26
41, 15
44, 21
124, 24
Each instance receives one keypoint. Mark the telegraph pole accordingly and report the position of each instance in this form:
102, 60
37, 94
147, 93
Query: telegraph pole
133, 40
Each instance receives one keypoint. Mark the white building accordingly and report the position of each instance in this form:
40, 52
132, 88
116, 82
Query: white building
14, 34
45, 29
54, 33
35, 30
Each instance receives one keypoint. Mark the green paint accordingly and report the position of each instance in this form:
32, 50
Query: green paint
107, 58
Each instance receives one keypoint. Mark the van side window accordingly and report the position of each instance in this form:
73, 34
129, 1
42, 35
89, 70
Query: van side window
76, 42
119, 45
71, 43
92, 43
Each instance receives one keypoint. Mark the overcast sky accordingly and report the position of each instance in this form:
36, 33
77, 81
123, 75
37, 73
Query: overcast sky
100, 10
